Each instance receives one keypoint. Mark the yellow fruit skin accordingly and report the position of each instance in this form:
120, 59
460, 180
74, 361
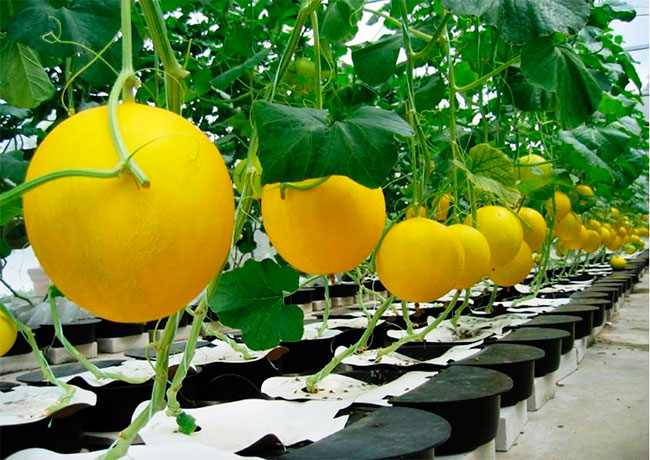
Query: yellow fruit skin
562, 205
125, 253
535, 231
442, 210
614, 243
644, 232
502, 231
533, 172
592, 241
8, 334
419, 260
629, 249
579, 242
614, 211
593, 224
568, 229
560, 248
584, 190
410, 212
330, 228
516, 270
618, 263
477, 255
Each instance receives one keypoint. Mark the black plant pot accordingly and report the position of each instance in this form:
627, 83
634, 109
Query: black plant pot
307, 356
77, 333
516, 361
109, 329
61, 432
387, 432
606, 293
601, 304
549, 340
116, 401
21, 346
468, 397
564, 322
586, 312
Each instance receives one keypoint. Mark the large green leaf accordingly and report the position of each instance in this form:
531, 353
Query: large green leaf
582, 157
302, 143
376, 62
609, 10
521, 21
23, 81
251, 298
491, 171
557, 68
92, 23
524, 96
340, 20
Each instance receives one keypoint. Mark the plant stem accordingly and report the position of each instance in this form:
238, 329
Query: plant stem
121, 446
396, 22
410, 337
48, 375
16, 192
207, 329
455, 151
487, 76
319, 91
434, 38
85, 362
460, 310
174, 73
313, 380
328, 306
125, 81
493, 296
407, 317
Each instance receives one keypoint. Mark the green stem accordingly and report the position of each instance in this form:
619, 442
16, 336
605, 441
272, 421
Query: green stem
25, 187
85, 362
309, 280
493, 296
452, 123
241, 349
460, 310
317, 86
410, 337
48, 375
397, 23
407, 317
431, 44
487, 76
313, 380
294, 186
124, 439
174, 72
328, 306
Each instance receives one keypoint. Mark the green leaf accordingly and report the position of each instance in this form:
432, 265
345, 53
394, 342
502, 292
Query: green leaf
618, 106
524, 96
464, 74
340, 20
557, 68
376, 62
13, 167
23, 81
491, 171
251, 298
303, 143
227, 78
429, 94
92, 23
585, 159
521, 21
486, 161
9, 210
605, 13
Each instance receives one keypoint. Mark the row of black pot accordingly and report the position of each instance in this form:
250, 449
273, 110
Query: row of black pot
456, 411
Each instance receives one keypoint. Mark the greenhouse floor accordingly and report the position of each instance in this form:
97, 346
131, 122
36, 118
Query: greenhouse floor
601, 410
